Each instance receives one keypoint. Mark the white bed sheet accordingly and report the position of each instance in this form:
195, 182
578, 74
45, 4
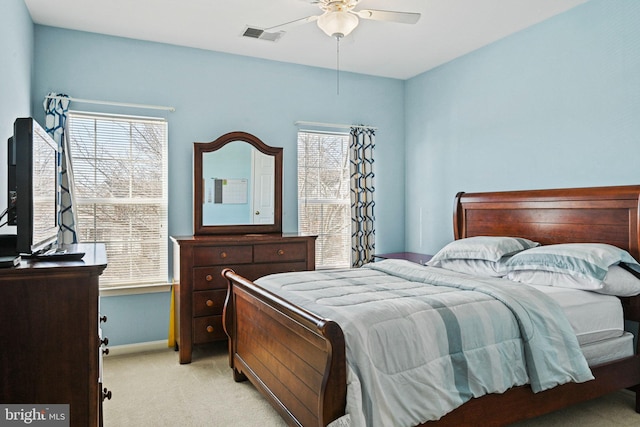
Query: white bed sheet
594, 317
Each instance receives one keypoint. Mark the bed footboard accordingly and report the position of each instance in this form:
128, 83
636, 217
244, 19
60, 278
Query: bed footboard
293, 357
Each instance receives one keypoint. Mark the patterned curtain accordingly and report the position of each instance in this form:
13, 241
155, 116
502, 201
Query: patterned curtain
56, 119
363, 233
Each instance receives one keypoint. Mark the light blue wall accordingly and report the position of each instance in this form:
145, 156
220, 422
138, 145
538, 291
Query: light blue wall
556, 105
16, 54
215, 93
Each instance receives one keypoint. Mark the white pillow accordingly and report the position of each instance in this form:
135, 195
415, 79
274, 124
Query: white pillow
552, 278
587, 264
490, 248
618, 281
476, 267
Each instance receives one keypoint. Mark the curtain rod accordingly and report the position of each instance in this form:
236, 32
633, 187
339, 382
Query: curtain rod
119, 104
332, 125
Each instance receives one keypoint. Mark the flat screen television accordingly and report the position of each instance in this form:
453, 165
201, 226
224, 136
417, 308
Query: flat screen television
32, 187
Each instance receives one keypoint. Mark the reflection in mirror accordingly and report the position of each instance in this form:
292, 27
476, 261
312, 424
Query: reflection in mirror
238, 184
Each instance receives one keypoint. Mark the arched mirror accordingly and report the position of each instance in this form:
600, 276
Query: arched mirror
237, 186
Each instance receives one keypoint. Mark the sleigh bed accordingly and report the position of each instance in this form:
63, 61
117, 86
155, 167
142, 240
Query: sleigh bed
297, 359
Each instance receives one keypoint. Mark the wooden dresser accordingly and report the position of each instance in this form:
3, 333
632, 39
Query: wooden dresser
197, 266
49, 330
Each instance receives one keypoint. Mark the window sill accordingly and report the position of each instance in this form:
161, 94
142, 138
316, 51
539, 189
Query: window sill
135, 290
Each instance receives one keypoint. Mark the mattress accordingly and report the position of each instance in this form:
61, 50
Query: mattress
608, 350
594, 317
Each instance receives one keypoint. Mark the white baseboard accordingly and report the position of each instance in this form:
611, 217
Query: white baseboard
141, 347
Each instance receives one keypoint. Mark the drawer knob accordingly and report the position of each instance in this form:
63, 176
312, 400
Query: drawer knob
105, 351
106, 394
209, 278
103, 319
223, 254
104, 341
209, 303
210, 329
280, 251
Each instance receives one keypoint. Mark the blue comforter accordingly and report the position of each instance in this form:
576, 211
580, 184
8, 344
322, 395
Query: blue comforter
421, 341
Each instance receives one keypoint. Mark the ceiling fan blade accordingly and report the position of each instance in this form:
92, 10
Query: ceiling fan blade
294, 23
388, 15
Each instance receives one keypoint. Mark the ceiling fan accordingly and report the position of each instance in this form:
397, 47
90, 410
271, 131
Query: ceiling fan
339, 18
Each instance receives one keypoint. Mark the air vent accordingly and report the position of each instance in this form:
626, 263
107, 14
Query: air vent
258, 33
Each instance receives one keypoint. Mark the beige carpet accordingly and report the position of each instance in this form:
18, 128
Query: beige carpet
153, 389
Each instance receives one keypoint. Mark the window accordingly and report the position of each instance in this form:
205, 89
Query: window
120, 182
324, 207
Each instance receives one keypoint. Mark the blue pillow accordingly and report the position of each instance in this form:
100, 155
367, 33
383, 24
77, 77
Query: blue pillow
490, 248
586, 261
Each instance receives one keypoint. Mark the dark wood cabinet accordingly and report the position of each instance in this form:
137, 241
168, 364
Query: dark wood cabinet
50, 335
201, 289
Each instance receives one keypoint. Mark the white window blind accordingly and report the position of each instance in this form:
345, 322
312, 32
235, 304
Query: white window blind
120, 182
324, 207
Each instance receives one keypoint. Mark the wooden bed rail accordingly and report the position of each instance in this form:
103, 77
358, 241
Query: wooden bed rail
307, 386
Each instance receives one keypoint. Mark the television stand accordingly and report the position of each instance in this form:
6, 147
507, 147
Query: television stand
50, 329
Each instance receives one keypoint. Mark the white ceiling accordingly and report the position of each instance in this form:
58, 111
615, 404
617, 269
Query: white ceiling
447, 28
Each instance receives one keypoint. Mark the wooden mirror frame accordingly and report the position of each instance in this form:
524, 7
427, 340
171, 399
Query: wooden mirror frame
199, 148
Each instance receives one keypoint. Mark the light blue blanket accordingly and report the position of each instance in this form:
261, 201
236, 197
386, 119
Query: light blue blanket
421, 341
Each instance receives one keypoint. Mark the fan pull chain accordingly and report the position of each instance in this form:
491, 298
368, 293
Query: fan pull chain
337, 65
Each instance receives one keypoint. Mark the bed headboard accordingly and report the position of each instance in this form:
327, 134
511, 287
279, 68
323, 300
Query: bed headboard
593, 215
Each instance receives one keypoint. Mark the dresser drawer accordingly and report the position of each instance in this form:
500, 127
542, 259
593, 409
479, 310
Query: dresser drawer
206, 278
210, 278
280, 252
207, 303
220, 255
208, 329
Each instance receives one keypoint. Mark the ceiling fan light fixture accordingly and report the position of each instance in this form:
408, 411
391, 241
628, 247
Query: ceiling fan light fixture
337, 23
